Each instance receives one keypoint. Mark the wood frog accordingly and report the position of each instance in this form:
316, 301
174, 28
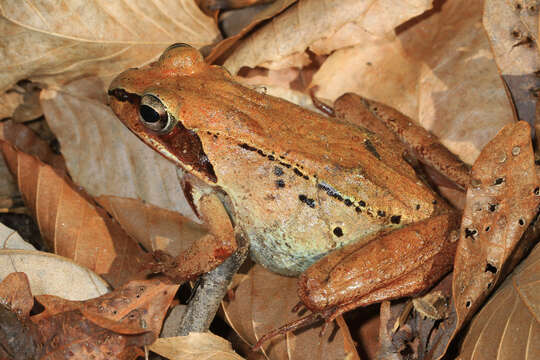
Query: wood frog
315, 196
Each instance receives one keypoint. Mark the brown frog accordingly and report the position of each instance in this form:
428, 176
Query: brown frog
307, 191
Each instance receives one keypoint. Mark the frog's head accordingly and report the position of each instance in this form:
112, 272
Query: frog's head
148, 101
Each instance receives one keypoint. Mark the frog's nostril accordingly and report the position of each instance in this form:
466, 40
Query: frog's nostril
148, 114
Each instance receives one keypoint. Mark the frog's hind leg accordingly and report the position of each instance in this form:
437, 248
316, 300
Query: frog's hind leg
415, 141
394, 264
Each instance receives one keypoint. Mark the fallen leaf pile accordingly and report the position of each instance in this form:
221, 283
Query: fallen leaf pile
465, 72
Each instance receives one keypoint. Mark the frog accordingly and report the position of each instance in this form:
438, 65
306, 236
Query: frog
316, 197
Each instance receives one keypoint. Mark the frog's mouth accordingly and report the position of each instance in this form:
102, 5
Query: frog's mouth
180, 145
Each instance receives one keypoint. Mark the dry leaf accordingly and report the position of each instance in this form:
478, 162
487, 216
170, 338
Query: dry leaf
195, 346
501, 202
52, 274
269, 12
512, 27
62, 42
102, 155
10, 239
109, 327
263, 302
69, 222
28, 141
438, 70
18, 336
9, 101
15, 293
309, 24
153, 227
508, 326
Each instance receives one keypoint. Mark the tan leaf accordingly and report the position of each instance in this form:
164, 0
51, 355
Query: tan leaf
263, 302
270, 11
102, 155
508, 326
512, 28
71, 224
302, 26
62, 42
438, 70
195, 346
153, 227
9, 101
52, 274
10, 239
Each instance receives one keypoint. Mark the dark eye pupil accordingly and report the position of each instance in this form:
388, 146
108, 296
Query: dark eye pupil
148, 114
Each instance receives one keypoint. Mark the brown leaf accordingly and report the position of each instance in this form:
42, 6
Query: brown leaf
195, 346
16, 295
104, 327
112, 161
274, 44
57, 43
501, 202
28, 141
69, 222
512, 28
263, 302
508, 326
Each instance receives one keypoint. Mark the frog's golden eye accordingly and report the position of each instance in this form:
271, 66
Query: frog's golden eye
154, 115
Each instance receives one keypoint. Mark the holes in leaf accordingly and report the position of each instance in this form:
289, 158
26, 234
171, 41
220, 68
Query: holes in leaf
489, 285
468, 304
490, 268
470, 233
537, 191
395, 219
488, 228
493, 207
338, 231
498, 181
521, 222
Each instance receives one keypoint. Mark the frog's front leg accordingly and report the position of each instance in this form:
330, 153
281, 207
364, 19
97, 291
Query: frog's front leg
209, 251
392, 265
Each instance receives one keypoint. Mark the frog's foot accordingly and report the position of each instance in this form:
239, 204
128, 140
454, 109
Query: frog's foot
327, 315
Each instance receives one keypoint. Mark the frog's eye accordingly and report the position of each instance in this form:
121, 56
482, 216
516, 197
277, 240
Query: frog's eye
154, 115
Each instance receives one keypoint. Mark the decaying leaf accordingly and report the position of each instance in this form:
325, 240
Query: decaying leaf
512, 28
502, 200
58, 43
112, 326
71, 224
102, 155
195, 346
263, 302
508, 326
52, 274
